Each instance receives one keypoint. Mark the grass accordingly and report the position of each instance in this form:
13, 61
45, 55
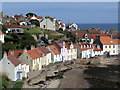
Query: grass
4, 81
36, 30
18, 85
56, 36
33, 31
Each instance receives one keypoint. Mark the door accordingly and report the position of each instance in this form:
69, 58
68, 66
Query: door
18, 75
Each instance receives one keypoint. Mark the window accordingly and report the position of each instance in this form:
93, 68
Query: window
43, 26
109, 46
113, 46
113, 51
105, 46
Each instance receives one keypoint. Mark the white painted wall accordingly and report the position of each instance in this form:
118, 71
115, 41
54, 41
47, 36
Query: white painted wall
57, 58
113, 49
48, 24
2, 38
8, 68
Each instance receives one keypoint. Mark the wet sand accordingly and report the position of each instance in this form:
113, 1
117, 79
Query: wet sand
74, 79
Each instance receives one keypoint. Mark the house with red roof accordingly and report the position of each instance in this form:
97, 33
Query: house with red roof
61, 47
34, 57
107, 44
13, 68
73, 27
85, 50
96, 50
16, 53
39, 18
14, 29
47, 55
71, 51
56, 55
2, 37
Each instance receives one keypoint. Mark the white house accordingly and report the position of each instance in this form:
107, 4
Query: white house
52, 24
62, 48
118, 44
86, 50
47, 23
73, 26
39, 18
107, 45
96, 50
56, 55
12, 67
71, 51
2, 37
23, 23
14, 29
59, 25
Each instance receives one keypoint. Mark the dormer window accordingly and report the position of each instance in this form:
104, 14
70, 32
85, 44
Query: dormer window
86, 36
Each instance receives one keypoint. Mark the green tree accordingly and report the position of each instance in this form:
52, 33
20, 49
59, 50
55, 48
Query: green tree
30, 14
44, 39
8, 46
26, 41
35, 22
4, 28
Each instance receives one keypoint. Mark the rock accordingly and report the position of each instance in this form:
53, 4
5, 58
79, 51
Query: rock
95, 62
54, 84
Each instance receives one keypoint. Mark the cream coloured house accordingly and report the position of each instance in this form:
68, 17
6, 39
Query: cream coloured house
47, 55
33, 57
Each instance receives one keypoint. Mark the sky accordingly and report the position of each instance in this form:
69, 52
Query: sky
72, 12
60, 0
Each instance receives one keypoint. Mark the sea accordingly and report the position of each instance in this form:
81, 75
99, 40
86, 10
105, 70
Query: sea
104, 27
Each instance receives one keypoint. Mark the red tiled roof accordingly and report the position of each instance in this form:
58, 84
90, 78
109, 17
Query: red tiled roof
29, 17
33, 54
96, 49
94, 31
1, 33
81, 33
117, 41
44, 50
67, 45
106, 40
54, 49
14, 60
17, 21
62, 25
58, 43
16, 53
58, 20
13, 26
38, 17
39, 52
16, 16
